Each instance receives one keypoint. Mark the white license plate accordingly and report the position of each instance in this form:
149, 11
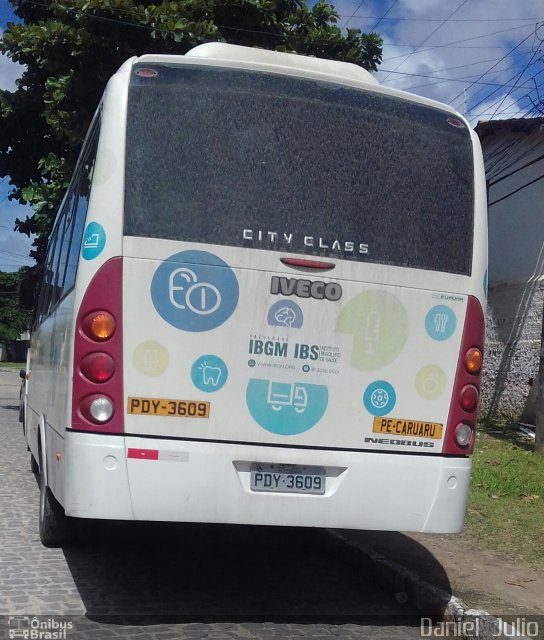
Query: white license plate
287, 478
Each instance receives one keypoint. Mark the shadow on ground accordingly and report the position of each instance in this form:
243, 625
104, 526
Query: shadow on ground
143, 573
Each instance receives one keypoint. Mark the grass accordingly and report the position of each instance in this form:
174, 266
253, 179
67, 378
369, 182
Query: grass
506, 503
12, 365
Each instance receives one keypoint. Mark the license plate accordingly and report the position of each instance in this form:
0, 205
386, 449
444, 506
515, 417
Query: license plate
401, 427
287, 478
166, 407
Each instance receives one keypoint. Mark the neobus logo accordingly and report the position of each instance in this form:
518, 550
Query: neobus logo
305, 288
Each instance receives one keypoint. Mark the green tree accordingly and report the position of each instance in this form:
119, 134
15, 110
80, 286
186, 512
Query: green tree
13, 321
71, 48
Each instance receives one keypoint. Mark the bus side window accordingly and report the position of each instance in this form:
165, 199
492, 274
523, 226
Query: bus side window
59, 259
44, 298
81, 204
65, 242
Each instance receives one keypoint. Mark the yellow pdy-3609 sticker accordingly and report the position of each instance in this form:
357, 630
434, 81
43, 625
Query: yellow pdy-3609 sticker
165, 407
414, 428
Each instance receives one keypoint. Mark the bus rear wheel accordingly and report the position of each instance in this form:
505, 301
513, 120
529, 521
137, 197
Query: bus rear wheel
56, 528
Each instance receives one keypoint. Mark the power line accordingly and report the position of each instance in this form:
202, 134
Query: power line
430, 35
464, 40
528, 184
492, 67
421, 75
348, 20
385, 14
340, 15
507, 175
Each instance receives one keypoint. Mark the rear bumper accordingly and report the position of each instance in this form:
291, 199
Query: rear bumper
208, 482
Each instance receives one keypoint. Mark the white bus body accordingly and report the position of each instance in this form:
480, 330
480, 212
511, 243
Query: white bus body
263, 302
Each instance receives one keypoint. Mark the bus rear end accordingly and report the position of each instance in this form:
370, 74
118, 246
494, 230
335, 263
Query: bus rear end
297, 312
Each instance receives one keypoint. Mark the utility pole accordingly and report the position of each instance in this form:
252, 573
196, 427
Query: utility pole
539, 422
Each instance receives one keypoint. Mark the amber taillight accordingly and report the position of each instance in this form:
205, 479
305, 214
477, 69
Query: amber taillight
461, 427
97, 398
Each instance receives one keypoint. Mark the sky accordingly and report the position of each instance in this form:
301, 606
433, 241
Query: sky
483, 57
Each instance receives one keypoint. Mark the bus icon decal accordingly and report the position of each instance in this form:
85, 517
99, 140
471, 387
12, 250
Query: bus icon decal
194, 291
19, 627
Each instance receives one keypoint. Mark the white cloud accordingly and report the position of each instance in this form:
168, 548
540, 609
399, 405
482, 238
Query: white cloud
483, 42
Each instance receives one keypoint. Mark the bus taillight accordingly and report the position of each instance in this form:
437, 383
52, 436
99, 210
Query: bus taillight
461, 426
97, 397
99, 326
468, 398
97, 367
473, 360
97, 409
464, 435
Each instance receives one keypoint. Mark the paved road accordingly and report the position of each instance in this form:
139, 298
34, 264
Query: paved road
162, 581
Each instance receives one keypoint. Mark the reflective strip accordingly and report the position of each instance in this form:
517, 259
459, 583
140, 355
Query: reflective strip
143, 454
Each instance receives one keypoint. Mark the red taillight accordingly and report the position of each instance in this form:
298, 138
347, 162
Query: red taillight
97, 387
97, 367
459, 437
468, 398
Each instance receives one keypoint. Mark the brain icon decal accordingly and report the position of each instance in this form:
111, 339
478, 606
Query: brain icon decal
194, 291
285, 313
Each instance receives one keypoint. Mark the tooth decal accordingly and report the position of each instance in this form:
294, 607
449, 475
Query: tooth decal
209, 373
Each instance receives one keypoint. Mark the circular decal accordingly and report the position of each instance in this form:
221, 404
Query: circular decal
379, 324
209, 373
194, 291
285, 313
379, 398
430, 382
440, 322
286, 408
94, 240
150, 358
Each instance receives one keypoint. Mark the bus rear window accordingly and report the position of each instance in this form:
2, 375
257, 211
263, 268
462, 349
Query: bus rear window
260, 160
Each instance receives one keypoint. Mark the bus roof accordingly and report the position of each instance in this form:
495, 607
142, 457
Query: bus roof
221, 52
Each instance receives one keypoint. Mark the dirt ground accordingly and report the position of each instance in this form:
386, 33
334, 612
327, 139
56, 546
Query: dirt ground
481, 579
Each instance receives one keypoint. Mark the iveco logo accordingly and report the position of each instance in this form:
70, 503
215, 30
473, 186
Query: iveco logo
305, 288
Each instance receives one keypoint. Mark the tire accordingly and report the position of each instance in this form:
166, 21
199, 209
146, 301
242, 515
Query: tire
34, 465
56, 528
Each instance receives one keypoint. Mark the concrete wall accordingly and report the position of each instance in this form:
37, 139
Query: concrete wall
512, 351
516, 271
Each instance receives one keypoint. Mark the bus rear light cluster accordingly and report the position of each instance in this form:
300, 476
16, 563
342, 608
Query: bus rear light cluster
97, 389
461, 425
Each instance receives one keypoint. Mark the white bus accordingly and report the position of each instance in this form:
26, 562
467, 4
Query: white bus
262, 303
